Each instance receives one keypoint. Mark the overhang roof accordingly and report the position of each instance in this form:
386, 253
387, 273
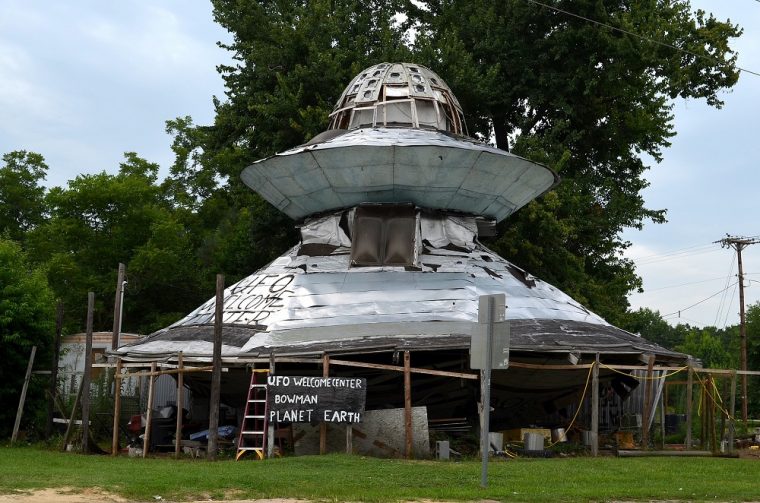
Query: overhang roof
431, 169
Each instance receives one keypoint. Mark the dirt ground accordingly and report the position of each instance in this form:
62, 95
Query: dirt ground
71, 495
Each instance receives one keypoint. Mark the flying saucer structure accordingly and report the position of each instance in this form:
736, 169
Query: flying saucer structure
391, 202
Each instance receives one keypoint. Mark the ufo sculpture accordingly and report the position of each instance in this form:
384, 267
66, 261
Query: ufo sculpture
391, 202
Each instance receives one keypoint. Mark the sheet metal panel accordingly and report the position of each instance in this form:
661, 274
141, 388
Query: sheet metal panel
428, 168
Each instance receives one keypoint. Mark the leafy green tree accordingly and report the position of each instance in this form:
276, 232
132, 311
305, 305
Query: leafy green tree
753, 356
707, 346
652, 327
292, 61
581, 98
585, 100
27, 310
100, 220
22, 198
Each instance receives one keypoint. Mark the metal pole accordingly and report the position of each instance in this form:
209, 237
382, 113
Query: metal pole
486, 395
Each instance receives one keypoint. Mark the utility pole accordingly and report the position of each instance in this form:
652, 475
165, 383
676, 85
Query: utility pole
738, 244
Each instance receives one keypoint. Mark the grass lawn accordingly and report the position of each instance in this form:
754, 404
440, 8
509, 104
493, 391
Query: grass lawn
351, 478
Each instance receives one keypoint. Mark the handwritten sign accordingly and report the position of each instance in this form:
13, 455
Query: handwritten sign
298, 399
249, 302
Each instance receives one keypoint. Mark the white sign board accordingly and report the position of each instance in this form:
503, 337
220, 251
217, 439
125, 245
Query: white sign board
500, 335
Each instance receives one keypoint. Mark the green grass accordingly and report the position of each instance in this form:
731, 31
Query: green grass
352, 478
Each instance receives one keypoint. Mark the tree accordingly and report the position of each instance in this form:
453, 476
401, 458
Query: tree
292, 61
580, 98
22, 204
753, 356
707, 346
27, 311
585, 100
652, 327
100, 220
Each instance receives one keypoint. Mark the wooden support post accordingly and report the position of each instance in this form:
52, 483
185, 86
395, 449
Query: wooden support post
22, 398
647, 409
72, 418
689, 406
180, 405
87, 376
149, 412
53, 389
723, 413
116, 408
595, 408
270, 425
711, 414
662, 417
117, 307
323, 425
732, 412
703, 419
350, 438
216, 374
408, 431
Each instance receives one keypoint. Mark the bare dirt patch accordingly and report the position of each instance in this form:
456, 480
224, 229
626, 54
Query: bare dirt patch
96, 495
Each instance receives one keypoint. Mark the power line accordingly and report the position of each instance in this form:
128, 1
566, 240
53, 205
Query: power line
723, 297
698, 303
676, 251
673, 256
642, 37
730, 303
682, 284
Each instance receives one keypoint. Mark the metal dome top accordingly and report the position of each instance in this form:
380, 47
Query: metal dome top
398, 95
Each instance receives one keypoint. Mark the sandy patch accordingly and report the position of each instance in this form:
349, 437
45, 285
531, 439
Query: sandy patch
95, 495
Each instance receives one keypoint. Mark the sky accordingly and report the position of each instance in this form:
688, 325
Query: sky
82, 82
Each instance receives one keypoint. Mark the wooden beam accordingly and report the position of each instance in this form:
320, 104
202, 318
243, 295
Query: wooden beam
117, 307
408, 431
732, 411
216, 375
539, 366
157, 373
396, 368
647, 409
270, 425
72, 418
149, 412
116, 409
22, 398
689, 406
53, 388
180, 406
595, 408
87, 376
323, 425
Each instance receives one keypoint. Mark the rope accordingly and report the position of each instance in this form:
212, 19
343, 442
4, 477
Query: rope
645, 378
572, 421
717, 393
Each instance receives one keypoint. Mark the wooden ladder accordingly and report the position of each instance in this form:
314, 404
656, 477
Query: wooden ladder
253, 430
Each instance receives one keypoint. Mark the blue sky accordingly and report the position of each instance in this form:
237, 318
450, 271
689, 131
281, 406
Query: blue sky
82, 82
